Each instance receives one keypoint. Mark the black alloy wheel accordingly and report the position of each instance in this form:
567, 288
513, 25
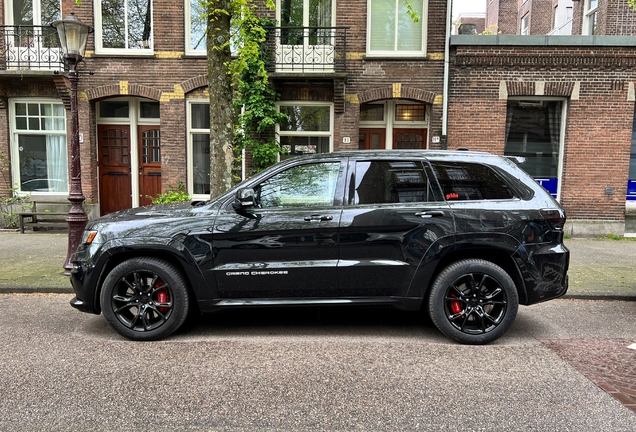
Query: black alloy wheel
473, 301
145, 299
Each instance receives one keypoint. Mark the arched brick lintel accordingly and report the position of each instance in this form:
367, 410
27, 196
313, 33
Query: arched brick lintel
540, 88
114, 90
194, 83
405, 92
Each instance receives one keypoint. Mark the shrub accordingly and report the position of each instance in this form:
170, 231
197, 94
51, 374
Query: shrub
10, 207
172, 196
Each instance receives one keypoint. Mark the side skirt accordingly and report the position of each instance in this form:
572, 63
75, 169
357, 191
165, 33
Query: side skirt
402, 303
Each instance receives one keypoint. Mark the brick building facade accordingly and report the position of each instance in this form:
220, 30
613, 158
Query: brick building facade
358, 74
590, 87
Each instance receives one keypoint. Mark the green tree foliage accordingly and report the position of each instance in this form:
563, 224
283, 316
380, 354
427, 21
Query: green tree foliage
256, 99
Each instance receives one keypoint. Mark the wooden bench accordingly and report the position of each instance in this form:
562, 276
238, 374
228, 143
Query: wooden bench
41, 218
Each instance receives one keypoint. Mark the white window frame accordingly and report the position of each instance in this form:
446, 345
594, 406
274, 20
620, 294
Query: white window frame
190, 147
306, 12
423, 21
37, 12
188, 34
328, 133
389, 123
14, 142
137, 52
589, 18
525, 25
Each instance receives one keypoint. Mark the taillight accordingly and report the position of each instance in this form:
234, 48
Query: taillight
555, 218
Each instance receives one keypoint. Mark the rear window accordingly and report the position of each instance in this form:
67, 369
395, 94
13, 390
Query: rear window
386, 182
462, 181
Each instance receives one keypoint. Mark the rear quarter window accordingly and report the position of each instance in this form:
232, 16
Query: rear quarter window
464, 181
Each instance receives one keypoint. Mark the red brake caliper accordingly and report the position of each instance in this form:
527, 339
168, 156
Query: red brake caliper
456, 306
162, 296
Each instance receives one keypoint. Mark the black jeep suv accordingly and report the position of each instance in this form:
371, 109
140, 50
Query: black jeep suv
466, 236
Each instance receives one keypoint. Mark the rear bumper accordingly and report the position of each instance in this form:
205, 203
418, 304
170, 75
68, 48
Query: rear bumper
544, 271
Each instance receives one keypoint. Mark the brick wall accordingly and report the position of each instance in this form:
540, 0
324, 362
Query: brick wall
161, 77
594, 81
615, 18
480, 23
507, 16
542, 16
492, 14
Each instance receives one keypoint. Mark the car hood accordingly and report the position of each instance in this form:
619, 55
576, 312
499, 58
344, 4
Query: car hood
157, 221
158, 210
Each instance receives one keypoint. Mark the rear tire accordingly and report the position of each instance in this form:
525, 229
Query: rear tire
473, 301
145, 299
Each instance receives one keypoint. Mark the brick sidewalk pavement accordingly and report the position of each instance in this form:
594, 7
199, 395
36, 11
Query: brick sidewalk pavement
609, 363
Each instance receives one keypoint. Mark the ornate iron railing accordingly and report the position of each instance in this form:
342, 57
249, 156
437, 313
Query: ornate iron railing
306, 49
25, 47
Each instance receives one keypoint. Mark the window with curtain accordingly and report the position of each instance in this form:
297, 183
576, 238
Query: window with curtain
315, 15
391, 31
41, 162
123, 25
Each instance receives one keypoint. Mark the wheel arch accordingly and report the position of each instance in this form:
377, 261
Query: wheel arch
117, 256
503, 257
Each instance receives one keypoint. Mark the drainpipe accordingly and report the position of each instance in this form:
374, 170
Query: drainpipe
449, 25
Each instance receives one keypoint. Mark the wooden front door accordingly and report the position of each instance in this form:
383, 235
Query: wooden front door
409, 138
115, 190
372, 139
149, 164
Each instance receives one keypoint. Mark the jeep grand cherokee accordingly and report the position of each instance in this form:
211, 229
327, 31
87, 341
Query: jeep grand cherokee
464, 236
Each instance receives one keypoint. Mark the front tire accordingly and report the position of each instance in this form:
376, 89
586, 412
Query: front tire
473, 301
145, 299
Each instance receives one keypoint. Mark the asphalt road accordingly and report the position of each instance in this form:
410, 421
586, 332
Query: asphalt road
309, 369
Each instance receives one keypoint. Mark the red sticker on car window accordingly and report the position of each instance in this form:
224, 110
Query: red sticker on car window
452, 195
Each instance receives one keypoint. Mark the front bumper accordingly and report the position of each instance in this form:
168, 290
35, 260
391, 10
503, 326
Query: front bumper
84, 280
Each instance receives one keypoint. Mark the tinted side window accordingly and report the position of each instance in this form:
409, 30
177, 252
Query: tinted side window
462, 181
304, 185
385, 182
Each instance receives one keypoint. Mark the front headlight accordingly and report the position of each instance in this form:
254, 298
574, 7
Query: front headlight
88, 237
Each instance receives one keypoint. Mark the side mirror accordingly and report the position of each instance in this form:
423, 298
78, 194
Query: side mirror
244, 199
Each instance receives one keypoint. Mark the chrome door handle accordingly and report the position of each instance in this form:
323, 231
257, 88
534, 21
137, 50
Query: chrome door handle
430, 214
318, 218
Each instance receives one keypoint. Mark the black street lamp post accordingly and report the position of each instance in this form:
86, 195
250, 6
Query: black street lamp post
73, 37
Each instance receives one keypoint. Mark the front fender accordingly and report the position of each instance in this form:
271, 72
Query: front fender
92, 264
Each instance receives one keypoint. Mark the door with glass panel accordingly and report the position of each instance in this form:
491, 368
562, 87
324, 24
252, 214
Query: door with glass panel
149, 163
30, 41
372, 139
409, 138
115, 191
306, 40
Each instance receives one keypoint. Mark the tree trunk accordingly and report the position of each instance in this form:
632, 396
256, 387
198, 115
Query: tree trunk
220, 88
